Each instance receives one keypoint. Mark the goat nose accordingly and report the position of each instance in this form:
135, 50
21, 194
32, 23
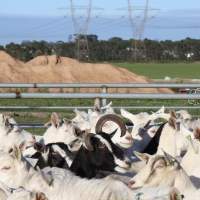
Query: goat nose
128, 137
131, 183
34, 138
128, 162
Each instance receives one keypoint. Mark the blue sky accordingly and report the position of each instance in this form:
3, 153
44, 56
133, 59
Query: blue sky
49, 7
42, 19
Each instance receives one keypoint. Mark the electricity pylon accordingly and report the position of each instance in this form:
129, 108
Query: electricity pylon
138, 28
81, 29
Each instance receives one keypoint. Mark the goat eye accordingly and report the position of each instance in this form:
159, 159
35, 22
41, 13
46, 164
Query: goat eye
10, 150
101, 145
6, 168
160, 164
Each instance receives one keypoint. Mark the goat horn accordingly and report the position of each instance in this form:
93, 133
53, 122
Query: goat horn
169, 158
147, 124
110, 117
87, 141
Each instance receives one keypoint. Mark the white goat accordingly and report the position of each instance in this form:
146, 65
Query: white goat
22, 194
60, 184
173, 139
164, 171
62, 131
191, 161
11, 134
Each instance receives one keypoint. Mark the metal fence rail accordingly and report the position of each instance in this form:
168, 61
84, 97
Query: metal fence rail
103, 95
96, 95
99, 85
63, 108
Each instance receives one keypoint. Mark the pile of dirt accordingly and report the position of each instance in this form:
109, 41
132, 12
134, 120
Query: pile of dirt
51, 69
9, 60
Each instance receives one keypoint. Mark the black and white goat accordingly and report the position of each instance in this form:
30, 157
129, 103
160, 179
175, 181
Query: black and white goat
97, 153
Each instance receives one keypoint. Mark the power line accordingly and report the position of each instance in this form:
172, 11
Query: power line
49, 24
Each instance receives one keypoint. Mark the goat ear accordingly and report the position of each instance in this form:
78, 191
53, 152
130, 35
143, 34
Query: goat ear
161, 110
77, 112
6, 121
22, 145
97, 105
197, 133
55, 120
16, 153
172, 122
40, 196
142, 156
173, 114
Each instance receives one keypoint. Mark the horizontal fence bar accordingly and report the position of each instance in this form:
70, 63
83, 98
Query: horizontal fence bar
40, 125
27, 126
62, 108
99, 85
96, 95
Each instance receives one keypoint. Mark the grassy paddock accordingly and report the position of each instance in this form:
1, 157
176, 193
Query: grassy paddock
160, 70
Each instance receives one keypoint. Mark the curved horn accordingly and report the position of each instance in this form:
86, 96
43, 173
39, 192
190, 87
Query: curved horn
87, 141
110, 117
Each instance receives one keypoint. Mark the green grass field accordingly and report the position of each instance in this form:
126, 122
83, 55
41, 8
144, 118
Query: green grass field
159, 70
42, 116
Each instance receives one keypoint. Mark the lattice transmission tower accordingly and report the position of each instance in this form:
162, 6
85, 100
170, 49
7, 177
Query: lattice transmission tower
81, 25
138, 29
138, 24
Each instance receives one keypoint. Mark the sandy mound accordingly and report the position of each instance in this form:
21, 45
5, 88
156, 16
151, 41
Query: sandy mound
50, 69
9, 60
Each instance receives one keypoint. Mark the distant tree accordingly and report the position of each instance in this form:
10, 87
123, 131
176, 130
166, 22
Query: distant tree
1, 48
112, 50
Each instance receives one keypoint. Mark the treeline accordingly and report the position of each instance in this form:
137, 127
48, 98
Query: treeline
112, 50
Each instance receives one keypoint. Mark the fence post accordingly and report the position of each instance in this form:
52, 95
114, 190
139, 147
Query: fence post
104, 91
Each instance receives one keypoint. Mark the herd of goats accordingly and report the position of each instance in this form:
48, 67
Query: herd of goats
97, 156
